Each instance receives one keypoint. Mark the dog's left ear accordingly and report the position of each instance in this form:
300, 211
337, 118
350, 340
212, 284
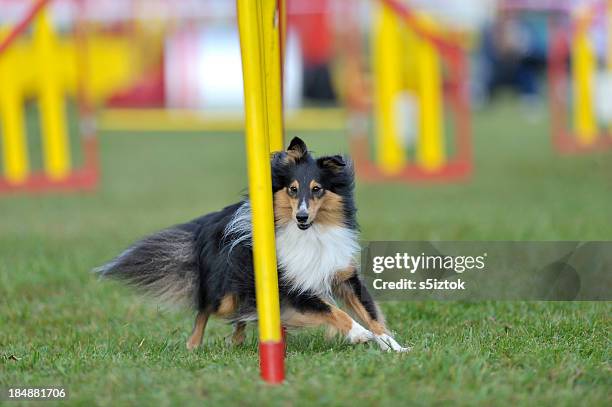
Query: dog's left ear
333, 163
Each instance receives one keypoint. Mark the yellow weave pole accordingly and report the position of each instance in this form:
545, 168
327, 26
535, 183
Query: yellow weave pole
584, 66
387, 66
56, 150
14, 138
272, 64
430, 152
253, 16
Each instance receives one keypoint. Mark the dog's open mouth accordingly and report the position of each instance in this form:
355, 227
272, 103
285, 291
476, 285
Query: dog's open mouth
304, 226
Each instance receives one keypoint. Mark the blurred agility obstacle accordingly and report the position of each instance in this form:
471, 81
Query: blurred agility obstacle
586, 130
160, 119
417, 73
31, 70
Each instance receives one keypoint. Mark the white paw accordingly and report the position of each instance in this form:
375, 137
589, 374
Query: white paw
191, 345
387, 343
359, 334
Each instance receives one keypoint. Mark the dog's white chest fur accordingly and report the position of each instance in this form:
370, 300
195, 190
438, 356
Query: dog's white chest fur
310, 258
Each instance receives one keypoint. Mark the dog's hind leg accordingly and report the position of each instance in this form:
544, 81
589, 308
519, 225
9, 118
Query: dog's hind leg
198, 330
238, 336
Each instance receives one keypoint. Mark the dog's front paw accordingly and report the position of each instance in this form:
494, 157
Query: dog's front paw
192, 344
387, 343
358, 334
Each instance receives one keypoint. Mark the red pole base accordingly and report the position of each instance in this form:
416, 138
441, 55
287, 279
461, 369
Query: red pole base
272, 361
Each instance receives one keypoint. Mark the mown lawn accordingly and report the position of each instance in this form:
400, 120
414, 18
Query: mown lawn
60, 325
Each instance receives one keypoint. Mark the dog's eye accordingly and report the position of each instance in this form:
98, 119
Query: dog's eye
293, 189
316, 189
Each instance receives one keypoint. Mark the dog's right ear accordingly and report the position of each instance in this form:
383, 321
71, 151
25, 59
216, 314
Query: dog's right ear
297, 149
278, 164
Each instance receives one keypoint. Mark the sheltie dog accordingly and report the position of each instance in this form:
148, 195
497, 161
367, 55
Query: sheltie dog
207, 263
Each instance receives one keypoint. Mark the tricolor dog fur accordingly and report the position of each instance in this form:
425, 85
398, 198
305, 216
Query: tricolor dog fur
207, 263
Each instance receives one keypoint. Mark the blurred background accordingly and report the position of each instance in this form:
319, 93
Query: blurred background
471, 119
467, 120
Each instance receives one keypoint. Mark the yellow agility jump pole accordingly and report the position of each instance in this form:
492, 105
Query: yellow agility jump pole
52, 109
12, 122
262, 116
387, 63
390, 78
430, 148
584, 66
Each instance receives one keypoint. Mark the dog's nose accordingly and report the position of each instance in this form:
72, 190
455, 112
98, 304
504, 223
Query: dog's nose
302, 217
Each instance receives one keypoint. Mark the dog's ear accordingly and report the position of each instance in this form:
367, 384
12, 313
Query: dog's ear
297, 149
277, 158
334, 163
278, 164
338, 172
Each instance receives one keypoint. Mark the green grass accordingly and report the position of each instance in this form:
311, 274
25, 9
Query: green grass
60, 325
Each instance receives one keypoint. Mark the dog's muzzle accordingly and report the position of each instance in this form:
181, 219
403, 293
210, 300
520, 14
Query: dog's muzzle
304, 226
302, 220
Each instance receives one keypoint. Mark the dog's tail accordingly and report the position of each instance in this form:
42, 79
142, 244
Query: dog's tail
162, 265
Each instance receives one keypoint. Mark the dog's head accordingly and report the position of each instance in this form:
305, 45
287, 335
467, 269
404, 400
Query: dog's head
310, 190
